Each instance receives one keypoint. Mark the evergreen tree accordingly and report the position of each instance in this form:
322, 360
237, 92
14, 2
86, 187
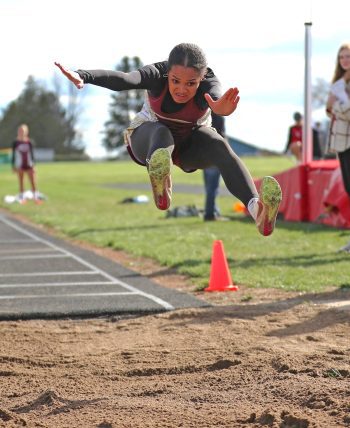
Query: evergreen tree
49, 124
122, 108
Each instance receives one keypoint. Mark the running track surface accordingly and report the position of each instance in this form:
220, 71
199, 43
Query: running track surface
45, 277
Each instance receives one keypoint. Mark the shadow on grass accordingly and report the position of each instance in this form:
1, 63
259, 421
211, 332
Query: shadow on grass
117, 229
162, 223
307, 227
301, 261
309, 260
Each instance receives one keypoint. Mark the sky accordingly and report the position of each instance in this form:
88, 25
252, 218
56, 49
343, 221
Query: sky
254, 45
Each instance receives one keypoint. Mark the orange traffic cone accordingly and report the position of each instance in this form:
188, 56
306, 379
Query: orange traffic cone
238, 207
220, 276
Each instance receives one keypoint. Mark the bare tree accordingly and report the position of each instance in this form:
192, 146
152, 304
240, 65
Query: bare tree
320, 91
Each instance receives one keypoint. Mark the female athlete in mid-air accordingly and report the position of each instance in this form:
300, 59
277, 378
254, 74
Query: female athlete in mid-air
174, 126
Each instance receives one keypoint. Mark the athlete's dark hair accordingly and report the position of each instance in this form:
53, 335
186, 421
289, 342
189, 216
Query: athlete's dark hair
188, 55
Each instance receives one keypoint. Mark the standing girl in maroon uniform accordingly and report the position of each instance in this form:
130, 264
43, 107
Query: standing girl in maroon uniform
23, 161
295, 136
174, 126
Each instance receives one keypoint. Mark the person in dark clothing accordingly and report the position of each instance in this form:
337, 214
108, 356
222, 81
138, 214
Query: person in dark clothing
174, 127
212, 177
23, 162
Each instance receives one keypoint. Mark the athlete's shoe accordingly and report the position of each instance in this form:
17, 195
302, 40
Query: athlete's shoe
21, 199
346, 248
159, 169
38, 198
269, 202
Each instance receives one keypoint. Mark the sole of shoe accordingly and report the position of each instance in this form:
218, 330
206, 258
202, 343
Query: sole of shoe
159, 169
270, 197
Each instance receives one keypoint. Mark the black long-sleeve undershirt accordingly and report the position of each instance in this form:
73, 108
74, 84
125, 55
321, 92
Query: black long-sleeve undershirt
152, 78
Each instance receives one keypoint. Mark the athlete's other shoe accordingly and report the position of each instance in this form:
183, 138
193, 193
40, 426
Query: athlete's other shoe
21, 199
269, 202
38, 198
159, 169
346, 248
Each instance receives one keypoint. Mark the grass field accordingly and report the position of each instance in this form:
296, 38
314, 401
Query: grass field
298, 256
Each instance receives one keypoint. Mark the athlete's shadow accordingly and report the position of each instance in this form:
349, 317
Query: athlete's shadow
326, 316
301, 261
307, 227
119, 229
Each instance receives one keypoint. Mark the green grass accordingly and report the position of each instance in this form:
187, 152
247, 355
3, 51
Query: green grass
298, 256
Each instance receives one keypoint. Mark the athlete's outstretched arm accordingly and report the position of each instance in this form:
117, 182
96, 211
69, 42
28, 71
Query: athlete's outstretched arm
73, 76
226, 104
110, 79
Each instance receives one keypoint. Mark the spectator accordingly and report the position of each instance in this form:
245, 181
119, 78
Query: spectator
338, 108
295, 138
23, 162
295, 135
322, 138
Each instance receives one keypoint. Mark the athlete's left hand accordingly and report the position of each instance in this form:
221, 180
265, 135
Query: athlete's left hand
225, 105
73, 76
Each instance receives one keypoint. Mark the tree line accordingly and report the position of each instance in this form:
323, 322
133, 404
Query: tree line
50, 124
55, 126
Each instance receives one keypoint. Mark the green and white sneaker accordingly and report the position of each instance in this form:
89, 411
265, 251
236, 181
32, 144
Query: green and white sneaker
159, 169
269, 202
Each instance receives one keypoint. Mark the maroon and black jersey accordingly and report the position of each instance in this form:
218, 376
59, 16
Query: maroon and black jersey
180, 123
22, 155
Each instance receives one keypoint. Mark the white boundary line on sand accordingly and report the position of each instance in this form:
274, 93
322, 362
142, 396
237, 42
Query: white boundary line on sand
128, 287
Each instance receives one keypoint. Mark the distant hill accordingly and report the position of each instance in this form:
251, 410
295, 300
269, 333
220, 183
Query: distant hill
241, 148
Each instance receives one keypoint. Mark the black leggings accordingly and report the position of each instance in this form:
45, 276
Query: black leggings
204, 148
344, 159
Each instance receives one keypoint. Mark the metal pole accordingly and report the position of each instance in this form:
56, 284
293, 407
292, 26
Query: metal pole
307, 149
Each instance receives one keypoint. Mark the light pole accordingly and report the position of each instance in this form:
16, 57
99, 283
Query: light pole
307, 148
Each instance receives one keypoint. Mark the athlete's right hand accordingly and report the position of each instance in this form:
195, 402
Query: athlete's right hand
73, 76
225, 105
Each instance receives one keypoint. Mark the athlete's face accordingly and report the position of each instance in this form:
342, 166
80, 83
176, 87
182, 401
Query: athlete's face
183, 83
344, 59
22, 133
